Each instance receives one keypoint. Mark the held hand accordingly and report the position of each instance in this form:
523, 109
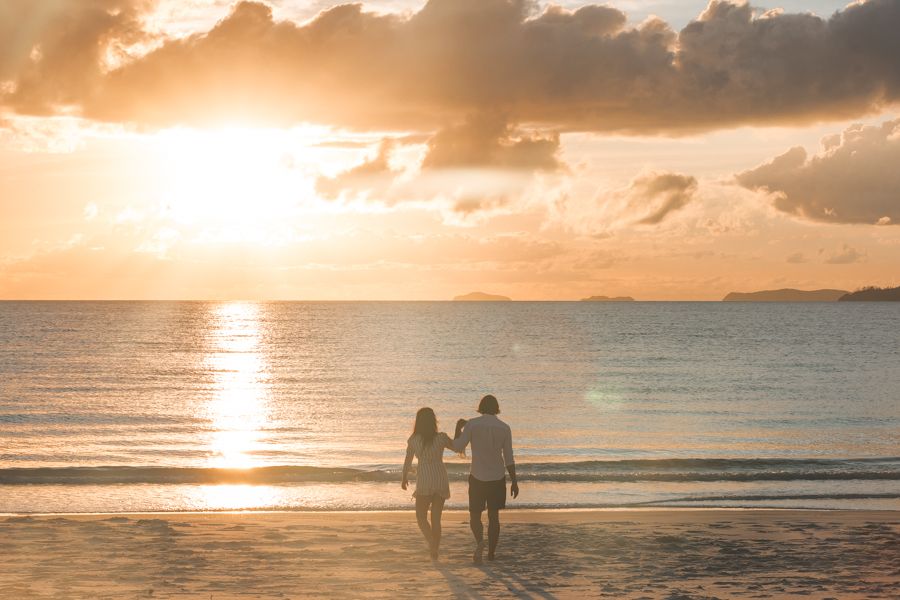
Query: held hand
514, 489
404, 484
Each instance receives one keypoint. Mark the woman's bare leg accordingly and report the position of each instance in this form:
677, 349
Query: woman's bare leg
422, 505
437, 509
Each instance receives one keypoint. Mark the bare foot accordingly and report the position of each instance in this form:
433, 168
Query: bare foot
478, 557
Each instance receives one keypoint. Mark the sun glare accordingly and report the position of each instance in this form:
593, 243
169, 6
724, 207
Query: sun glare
235, 184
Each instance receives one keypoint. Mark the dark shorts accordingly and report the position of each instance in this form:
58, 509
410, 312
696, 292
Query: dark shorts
486, 493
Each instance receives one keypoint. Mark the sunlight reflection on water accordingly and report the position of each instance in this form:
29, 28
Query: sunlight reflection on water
238, 410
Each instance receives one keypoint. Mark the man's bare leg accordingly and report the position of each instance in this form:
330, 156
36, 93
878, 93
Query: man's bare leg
493, 532
478, 532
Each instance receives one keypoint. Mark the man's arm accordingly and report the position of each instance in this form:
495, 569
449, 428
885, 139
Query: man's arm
510, 461
514, 484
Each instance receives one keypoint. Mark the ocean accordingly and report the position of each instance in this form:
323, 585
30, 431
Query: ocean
203, 406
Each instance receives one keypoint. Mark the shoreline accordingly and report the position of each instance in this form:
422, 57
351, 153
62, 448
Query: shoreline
507, 510
696, 554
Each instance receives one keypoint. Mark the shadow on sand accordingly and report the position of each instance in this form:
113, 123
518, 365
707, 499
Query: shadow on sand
516, 585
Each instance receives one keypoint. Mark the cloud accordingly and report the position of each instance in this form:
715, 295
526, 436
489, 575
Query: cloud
788, 67
57, 135
559, 69
845, 256
54, 54
371, 176
91, 210
854, 179
348, 264
796, 258
647, 200
480, 143
475, 168
645, 206
659, 194
487, 141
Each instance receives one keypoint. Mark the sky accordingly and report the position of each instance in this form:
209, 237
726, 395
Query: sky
409, 150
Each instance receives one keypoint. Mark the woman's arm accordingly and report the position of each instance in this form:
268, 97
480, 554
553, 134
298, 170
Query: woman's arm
407, 465
462, 438
448, 443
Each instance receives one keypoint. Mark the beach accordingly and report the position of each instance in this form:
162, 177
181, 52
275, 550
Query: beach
669, 554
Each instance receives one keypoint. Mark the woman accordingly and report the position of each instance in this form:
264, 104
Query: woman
432, 486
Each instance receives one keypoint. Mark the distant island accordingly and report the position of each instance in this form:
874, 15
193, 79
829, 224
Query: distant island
481, 297
608, 299
786, 295
872, 294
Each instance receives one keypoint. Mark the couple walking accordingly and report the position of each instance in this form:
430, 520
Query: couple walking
492, 457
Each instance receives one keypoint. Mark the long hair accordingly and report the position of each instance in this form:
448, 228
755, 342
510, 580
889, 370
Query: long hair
426, 425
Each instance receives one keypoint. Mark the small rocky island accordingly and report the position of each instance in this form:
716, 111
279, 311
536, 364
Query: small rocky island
608, 299
786, 295
481, 297
872, 294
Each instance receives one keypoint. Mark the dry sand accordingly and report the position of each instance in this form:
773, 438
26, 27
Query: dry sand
673, 554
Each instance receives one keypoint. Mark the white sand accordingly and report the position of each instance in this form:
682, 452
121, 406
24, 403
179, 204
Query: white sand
673, 554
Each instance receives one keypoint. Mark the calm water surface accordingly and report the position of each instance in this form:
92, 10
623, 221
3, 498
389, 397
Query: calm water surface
108, 406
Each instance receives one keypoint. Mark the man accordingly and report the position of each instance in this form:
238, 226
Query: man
492, 453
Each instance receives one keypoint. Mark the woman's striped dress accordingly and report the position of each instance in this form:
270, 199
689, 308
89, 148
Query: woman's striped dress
431, 474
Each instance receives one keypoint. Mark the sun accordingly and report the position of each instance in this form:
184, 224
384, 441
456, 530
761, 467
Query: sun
234, 184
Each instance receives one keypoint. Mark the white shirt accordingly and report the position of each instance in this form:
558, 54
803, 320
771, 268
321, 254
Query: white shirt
492, 451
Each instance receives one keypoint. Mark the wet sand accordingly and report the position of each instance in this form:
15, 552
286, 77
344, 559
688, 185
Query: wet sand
668, 554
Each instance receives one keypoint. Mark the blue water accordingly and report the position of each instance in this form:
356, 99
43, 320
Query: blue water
108, 406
